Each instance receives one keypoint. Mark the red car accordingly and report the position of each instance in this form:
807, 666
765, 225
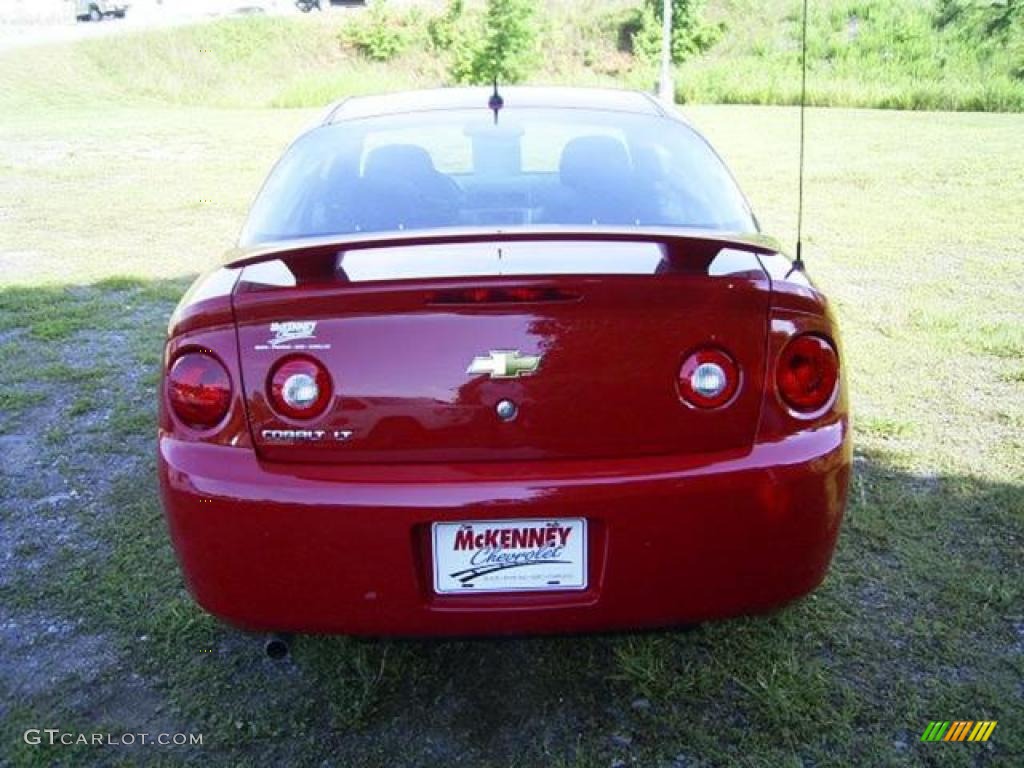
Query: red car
510, 365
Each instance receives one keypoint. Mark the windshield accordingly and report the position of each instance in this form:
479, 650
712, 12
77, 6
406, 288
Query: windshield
457, 168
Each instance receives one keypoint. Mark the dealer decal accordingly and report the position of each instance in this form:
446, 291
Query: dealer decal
510, 555
292, 334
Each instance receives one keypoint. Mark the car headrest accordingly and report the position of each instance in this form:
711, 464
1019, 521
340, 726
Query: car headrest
398, 161
594, 162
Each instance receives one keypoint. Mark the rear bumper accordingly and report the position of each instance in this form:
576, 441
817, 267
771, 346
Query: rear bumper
346, 549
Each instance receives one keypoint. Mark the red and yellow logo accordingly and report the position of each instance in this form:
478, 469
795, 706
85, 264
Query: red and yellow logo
958, 730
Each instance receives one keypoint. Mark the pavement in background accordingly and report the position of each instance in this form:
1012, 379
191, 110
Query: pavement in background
142, 14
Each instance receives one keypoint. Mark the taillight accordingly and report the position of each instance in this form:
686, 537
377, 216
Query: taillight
299, 387
807, 372
199, 390
709, 378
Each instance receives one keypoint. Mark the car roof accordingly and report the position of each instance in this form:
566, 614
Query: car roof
428, 100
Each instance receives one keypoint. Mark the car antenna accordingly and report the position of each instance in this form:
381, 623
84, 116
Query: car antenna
495, 103
798, 263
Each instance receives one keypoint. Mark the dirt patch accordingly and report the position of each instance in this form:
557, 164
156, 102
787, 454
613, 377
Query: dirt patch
43, 651
59, 465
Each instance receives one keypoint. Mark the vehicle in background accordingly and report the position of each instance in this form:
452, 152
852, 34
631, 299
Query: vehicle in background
308, 5
97, 10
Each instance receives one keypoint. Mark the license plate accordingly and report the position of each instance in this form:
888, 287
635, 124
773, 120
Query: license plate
481, 556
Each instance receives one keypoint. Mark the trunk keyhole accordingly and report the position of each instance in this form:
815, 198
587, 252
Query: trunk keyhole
506, 410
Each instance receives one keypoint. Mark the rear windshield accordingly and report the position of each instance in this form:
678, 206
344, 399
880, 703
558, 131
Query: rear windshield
457, 168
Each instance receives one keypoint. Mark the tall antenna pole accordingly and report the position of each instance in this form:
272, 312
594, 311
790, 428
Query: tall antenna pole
799, 262
666, 90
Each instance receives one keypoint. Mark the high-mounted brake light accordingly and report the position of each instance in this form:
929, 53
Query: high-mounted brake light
518, 294
199, 390
708, 378
807, 372
299, 387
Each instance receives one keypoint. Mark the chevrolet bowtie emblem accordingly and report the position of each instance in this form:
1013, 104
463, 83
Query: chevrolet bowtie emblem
504, 364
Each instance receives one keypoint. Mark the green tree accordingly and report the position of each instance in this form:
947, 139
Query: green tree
506, 46
690, 33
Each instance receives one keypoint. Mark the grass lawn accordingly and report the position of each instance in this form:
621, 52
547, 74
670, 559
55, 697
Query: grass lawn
914, 229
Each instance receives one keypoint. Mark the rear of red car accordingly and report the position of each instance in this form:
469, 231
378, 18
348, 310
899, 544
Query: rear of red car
481, 429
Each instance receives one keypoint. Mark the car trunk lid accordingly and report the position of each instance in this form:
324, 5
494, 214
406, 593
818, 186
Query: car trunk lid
431, 344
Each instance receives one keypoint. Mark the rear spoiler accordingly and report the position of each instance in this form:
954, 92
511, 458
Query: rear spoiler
317, 257
290, 249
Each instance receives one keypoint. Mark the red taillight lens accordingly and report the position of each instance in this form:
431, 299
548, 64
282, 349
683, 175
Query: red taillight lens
199, 390
807, 372
709, 378
299, 388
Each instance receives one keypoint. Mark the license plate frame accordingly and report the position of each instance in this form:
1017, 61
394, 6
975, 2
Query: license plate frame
473, 557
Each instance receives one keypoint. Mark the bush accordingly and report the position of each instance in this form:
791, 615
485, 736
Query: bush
377, 33
998, 20
994, 28
454, 35
443, 30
